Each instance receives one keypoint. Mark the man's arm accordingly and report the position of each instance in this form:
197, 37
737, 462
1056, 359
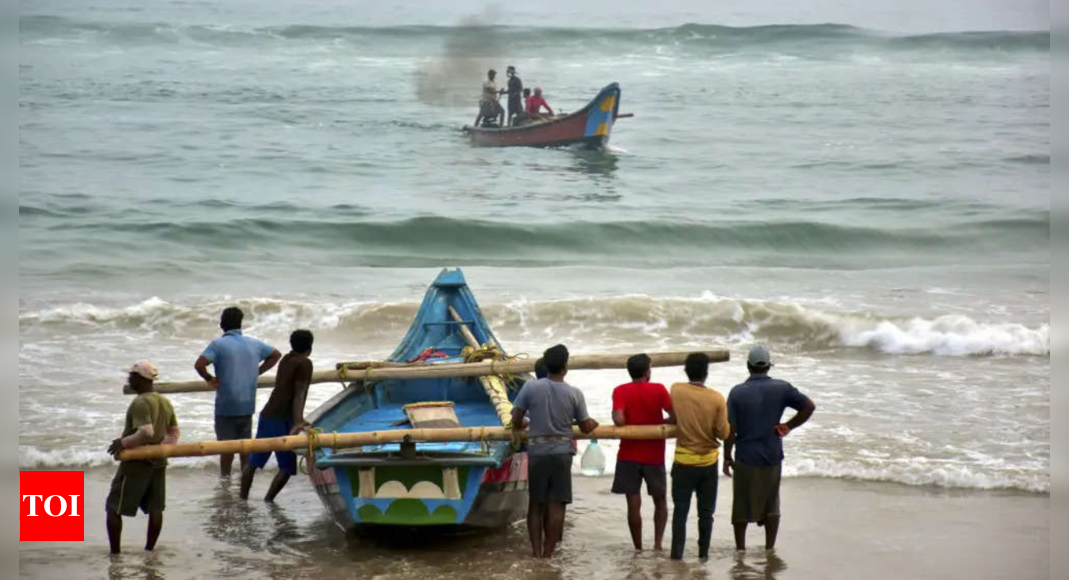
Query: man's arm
550, 109
517, 418
619, 418
799, 418
582, 417
729, 444
270, 362
300, 395
721, 427
173, 433
202, 369
141, 419
669, 408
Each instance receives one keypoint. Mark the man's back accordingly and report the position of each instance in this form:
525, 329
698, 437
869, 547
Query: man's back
294, 368
553, 408
701, 416
236, 359
515, 87
754, 409
643, 404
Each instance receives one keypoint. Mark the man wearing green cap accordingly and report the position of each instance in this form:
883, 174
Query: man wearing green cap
755, 412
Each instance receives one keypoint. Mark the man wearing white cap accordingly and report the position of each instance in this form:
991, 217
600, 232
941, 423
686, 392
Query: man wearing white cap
150, 420
755, 411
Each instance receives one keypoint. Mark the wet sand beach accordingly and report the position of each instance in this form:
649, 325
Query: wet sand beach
831, 529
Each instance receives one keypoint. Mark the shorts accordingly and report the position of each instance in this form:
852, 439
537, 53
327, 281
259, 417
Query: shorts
137, 484
274, 427
233, 427
630, 475
550, 478
756, 491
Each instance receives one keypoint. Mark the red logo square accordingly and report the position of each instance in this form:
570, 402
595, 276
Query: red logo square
52, 506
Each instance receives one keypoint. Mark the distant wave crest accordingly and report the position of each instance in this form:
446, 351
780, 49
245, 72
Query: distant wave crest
692, 35
433, 240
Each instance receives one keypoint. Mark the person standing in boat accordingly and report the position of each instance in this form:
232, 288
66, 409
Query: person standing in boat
535, 105
641, 402
489, 107
238, 361
283, 414
515, 91
150, 420
553, 407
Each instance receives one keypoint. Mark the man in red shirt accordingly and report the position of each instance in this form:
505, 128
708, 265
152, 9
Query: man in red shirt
535, 105
641, 402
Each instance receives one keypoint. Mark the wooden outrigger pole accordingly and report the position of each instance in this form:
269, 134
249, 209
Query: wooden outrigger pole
349, 440
373, 372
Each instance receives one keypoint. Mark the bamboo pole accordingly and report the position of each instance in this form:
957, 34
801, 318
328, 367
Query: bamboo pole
455, 370
350, 440
494, 386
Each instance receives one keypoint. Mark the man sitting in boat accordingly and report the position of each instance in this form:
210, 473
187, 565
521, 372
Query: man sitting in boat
535, 104
490, 111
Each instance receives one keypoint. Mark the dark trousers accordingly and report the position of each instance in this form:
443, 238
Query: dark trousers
688, 480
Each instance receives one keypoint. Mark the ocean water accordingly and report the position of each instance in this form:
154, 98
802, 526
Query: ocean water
865, 191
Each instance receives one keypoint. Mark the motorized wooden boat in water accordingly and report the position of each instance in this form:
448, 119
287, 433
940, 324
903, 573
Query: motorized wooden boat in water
589, 127
471, 484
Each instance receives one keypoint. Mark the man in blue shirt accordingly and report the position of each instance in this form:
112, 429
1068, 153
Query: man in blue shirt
553, 407
755, 411
239, 361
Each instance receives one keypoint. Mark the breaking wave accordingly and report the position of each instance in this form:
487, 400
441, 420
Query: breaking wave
623, 321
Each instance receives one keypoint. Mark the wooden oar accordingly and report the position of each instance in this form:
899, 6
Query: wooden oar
624, 116
349, 440
347, 373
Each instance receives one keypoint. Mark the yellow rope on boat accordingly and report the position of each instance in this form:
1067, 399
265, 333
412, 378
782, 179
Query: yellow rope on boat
315, 437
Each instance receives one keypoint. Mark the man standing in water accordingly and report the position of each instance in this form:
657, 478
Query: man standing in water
150, 420
701, 415
641, 402
554, 407
755, 409
515, 90
239, 361
283, 414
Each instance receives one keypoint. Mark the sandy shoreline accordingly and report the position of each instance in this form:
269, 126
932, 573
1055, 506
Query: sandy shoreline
831, 529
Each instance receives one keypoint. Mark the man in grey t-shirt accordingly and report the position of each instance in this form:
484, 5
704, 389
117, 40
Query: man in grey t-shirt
554, 407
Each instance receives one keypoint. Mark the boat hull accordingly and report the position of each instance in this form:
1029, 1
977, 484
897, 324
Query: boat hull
589, 127
488, 498
481, 484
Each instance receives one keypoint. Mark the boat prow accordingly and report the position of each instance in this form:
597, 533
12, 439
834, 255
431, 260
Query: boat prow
589, 127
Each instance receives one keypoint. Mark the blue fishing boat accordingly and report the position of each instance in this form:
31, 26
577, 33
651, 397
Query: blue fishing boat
481, 484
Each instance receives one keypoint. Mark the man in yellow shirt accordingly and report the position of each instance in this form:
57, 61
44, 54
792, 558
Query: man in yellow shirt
702, 419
